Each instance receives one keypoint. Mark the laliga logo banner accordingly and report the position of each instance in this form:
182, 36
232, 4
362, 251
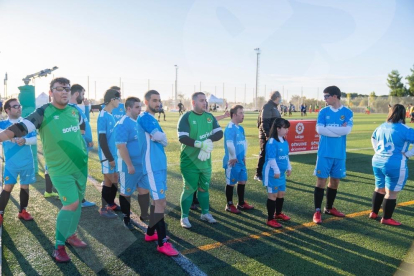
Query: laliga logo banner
304, 138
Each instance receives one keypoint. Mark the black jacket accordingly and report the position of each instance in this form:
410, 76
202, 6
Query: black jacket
268, 114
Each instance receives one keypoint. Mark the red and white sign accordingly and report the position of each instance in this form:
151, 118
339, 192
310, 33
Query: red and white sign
302, 136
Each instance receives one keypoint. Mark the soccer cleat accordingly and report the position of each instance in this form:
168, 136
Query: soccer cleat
167, 249
317, 217
273, 223
60, 254
194, 207
232, 209
114, 207
128, 225
390, 221
334, 212
143, 218
208, 217
107, 213
245, 206
153, 237
24, 215
88, 204
76, 242
281, 216
372, 215
52, 194
258, 177
185, 223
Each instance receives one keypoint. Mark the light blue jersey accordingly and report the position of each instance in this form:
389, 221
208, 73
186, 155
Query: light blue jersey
106, 125
234, 137
117, 112
87, 136
154, 158
333, 147
276, 162
126, 132
17, 157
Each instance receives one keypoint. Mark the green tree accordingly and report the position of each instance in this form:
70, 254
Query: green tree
396, 86
410, 80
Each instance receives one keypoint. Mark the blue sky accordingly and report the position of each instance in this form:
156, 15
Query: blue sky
305, 45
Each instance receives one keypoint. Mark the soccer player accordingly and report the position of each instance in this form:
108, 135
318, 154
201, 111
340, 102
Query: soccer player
155, 169
59, 125
234, 161
119, 111
19, 161
334, 123
197, 130
180, 108
161, 110
107, 154
390, 141
129, 160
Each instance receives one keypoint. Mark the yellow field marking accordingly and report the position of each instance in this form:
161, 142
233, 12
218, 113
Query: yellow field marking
211, 246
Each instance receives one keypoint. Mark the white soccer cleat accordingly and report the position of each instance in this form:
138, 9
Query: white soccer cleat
185, 223
208, 217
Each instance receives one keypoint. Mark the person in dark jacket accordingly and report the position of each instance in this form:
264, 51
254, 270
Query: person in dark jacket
268, 114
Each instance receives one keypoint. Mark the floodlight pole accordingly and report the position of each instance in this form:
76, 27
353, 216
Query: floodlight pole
257, 75
176, 83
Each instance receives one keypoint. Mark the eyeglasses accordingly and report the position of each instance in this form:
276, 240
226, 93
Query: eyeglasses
117, 98
16, 106
326, 96
61, 88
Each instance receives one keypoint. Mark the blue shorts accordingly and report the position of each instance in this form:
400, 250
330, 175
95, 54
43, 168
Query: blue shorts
157, 184
235, 174
106, 168
330, 167
27, 176
274, 185
393, 179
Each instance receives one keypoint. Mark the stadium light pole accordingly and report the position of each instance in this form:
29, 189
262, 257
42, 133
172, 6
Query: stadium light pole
257, 75
176, 83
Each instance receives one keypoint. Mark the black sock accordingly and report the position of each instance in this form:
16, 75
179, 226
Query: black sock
377, 199
24, 198
318, 197
161, 231
195, 199
4, 198
48, 182
330, 197
240, 193
279, 205
388, 206
83, 200
229, 194
125, 202
152, 223
106, 195
271, 208
114, 189
144, 201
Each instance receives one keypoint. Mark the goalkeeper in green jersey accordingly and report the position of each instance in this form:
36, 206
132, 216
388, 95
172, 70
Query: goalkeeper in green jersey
197, 130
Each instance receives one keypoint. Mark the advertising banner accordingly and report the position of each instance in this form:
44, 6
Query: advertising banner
302, 136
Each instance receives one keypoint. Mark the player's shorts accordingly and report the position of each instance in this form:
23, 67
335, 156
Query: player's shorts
106, 168
330, 167
70, 187
393, 179
27, 176
161, 111
194, 179
235, 174
157, 184
274, 185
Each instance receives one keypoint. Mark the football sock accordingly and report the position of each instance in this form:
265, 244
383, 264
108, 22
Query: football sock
186, 201
75, 220
144, 201
161, 231
330, 197
63, 223
388, 206
125, 202
318, 197
279, 205
240, 193
114, 189
152, 223
229, 194
377, 199
271, 208
4, 198
106, 195
24, 198
204, 198
48, 183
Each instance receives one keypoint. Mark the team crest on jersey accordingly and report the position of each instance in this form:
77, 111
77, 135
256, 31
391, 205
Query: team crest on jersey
209, 120
7, 178
342, 117
64, 198
162, 191
233, 180
73, 113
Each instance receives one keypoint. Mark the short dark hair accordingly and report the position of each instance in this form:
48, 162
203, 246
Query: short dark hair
76, 88
149, 93
278, 123
59, 80
234, 108
130, 101
196, 94
7, 103
333, 90
274, 95
110, 94
397, 114
115, 87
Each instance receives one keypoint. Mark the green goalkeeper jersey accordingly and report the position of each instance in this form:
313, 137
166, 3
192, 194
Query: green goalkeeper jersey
198, 127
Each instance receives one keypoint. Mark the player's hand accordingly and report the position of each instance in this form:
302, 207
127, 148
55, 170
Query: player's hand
226, 114
206, 145
112, 164
20, 141
276, 175
203, 155
232, 162
288, 172
85, 101
131, 169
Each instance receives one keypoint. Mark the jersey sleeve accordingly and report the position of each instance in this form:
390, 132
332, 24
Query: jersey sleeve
121, 133
102, 125
410, 135
349, 118
271, 149
183, 128
321, 118
149, 125
216, 126
229, 134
